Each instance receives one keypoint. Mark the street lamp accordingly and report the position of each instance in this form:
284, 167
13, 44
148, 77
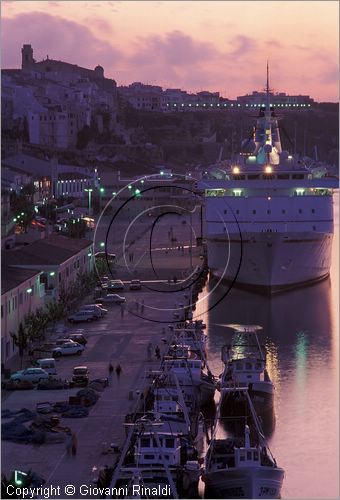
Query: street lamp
89, 190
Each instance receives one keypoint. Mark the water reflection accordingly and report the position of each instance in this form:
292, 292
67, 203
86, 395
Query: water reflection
300, 334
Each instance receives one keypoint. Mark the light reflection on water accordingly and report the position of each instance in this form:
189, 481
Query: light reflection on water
300, 331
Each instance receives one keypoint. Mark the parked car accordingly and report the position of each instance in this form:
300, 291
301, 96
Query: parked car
135, 285
68, 348
81, 316
47, 364
30, 374
115, 285
79, 338
95, 308
80, 375
105, 255
111, 298
62, 340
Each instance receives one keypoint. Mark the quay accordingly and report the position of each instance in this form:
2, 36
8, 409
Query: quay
119, 337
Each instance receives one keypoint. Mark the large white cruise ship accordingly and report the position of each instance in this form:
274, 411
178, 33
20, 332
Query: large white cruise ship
269, 219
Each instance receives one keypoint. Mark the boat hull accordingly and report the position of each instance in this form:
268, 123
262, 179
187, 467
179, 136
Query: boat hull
245, 482
236, 405
270, 262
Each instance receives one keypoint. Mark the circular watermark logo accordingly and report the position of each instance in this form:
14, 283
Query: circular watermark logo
151, 236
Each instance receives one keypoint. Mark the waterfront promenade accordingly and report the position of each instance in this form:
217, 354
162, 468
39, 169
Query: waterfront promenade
117, 338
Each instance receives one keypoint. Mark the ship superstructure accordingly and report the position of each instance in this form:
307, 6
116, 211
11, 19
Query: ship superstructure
269, 219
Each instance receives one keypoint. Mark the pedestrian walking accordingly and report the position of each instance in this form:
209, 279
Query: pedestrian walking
110, 370
157, 352
74, 444
118, 371
149, 350
69, 443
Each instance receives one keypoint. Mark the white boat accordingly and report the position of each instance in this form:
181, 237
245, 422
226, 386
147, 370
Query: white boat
191, 376
156, 462
269, 218
245, 365
241, 467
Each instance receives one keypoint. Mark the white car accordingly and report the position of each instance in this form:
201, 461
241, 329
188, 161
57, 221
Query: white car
81, 316
96, 309
112, 298
67, 349
31, 374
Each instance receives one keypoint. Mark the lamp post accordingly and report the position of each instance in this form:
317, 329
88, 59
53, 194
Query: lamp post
89, 190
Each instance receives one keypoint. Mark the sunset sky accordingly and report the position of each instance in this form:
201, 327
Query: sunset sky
199, 45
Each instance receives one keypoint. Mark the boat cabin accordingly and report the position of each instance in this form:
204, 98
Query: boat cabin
147, 450
187, 371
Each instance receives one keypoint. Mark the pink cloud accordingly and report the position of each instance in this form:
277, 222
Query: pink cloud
53, 35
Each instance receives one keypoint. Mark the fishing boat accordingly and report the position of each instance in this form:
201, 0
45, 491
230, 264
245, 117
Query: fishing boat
242, 465
245, 365
156, 461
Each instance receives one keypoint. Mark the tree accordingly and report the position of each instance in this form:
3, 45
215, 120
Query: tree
76, 228
20, 340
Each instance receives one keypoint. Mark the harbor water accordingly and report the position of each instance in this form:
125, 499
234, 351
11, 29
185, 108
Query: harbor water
300, 331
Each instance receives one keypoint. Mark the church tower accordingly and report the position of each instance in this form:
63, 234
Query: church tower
27, 57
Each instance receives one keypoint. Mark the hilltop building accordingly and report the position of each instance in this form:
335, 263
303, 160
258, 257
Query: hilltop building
54, 99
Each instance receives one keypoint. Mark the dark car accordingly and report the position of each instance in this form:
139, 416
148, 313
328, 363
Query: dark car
116, 285
80, 375
78, 337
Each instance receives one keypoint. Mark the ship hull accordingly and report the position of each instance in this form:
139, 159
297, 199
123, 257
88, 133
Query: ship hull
245, 482
270, 262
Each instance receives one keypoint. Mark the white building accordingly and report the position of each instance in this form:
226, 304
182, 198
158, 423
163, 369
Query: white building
21, 293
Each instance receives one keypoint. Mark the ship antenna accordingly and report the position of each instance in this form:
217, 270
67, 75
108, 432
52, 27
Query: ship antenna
267, 88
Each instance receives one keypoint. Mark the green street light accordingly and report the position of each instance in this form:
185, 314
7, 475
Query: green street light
102, 244
15, 219
137, 192
89, 190
102, 190
129, 186
52, 273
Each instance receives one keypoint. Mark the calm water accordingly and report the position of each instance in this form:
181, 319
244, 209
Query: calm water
301, 335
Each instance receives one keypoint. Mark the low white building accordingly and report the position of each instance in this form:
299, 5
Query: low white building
58, 259
21, 293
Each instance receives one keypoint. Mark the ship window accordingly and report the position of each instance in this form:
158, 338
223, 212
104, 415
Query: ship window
256, 455
253, 177
225, 211
248, 366
283, 211
258, 366
149, 457
242, 457
169, 443
254, 211
269, 212
249, 455
283, 176
300, 211
314, 228
313, 211
239, 366
145, 442
297, 176
237, 211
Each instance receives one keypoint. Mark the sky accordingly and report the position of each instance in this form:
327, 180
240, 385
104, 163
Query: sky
220, 46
